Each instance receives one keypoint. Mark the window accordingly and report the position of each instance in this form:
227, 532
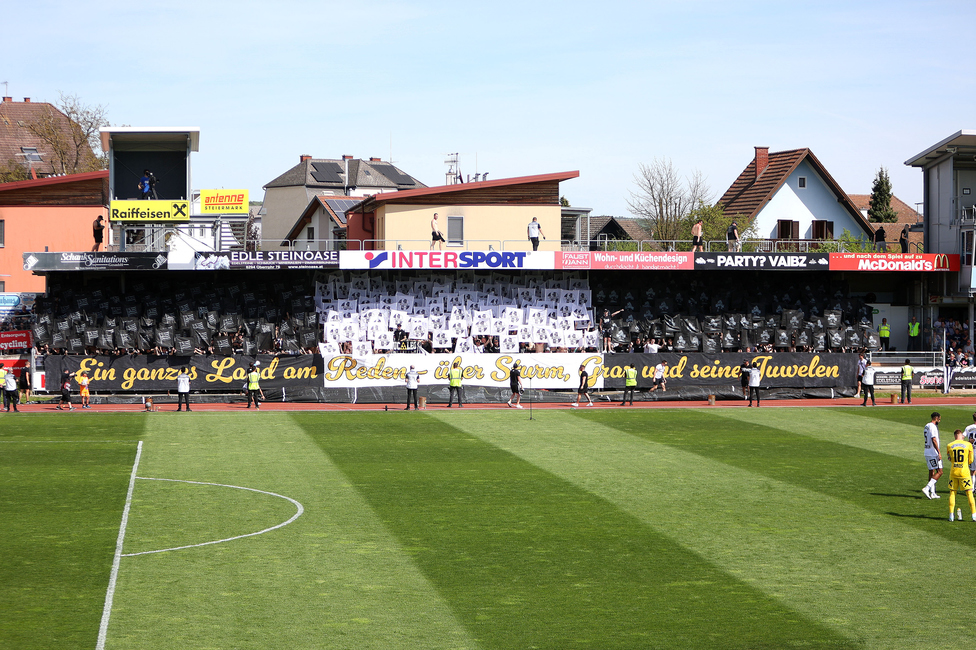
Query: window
3, 286
786, 229
1, 233
455, 231
30, 154
801, 181
823, 229
310, 233
967, 248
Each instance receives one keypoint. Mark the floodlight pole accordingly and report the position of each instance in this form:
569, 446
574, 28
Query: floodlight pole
531, 399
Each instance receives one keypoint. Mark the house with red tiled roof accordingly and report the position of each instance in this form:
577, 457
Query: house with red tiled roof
20, 148
907, 217
790, 195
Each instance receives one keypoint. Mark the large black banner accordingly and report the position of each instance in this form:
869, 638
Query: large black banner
140, 373
779, 370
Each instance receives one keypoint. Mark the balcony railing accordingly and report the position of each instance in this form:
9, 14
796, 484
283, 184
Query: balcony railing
157, 240
568, 245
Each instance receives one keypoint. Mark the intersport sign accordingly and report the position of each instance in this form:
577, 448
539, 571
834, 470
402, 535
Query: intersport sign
446, 260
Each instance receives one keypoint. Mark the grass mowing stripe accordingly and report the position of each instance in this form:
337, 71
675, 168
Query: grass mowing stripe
851, 471
527, 559
839, 426
334, 578
60, 505
897, 432
862, 573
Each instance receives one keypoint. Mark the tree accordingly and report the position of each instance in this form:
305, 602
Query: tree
664, 200
880, 210
715, 223
13, 170
71, 130
252, 234
564, 202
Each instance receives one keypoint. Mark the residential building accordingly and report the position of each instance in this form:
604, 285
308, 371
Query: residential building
908, 217
26, 154
790, 196
289, 196
605, 231
48, 214
322, 225
487, 215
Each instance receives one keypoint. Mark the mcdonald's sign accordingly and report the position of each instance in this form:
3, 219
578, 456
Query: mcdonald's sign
925, 262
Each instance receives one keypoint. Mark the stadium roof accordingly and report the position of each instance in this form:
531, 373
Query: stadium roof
964, 140
89, 189
480, 192
146, 135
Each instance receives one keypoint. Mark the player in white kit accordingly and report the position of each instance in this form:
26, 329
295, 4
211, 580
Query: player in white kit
933, 457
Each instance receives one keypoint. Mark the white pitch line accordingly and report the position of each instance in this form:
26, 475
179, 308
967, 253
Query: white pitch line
299, 510
127, 442
113, 578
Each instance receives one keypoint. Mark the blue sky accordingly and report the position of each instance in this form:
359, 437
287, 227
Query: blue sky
517, 88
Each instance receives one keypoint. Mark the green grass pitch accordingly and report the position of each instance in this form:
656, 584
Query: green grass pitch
684, 528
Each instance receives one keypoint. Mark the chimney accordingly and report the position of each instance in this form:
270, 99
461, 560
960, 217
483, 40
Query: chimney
8, 99
375, 159
347, 157
302, 158
762, 160
27, 100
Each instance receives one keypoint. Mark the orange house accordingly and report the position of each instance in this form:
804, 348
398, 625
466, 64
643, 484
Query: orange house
48, 214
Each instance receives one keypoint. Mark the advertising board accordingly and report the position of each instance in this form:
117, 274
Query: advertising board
149, 211
625, 260
39, 262
447, 260
223, 201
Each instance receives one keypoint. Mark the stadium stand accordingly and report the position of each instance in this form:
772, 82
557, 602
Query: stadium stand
733, 313
359, 313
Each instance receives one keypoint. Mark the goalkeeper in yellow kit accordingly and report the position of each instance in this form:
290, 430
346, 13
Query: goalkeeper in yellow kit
960, 453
